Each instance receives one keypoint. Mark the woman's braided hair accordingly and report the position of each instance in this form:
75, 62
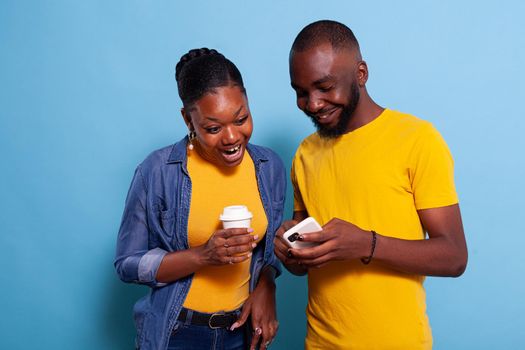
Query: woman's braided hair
200, 71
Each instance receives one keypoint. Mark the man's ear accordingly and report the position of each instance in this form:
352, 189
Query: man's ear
187, 118
362, 73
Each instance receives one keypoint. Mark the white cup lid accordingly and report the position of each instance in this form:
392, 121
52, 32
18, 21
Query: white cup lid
235, 212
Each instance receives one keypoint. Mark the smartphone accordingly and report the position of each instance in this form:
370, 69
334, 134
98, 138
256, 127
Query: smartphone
308, 225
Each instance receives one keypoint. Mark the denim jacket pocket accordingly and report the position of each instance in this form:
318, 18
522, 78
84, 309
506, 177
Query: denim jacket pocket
167, 221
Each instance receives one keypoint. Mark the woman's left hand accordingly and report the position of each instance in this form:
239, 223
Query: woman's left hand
260, 305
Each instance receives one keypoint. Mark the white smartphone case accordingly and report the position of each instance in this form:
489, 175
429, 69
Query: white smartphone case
308, 225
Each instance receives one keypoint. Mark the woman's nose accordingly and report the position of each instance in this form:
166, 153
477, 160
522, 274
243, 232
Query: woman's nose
231, 135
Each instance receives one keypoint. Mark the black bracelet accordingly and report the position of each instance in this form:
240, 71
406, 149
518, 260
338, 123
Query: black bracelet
367, 260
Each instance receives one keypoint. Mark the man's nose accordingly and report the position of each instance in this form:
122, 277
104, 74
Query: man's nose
314, 104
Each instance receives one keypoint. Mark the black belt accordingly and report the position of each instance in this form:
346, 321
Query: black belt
216, 320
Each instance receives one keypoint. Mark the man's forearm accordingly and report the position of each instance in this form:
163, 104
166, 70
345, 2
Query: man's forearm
430, 257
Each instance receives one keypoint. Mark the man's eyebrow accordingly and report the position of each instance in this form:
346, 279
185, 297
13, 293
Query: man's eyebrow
320, 81
323, 79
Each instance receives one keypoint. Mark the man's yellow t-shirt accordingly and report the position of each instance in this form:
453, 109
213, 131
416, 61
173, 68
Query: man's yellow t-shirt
376, 177
224, 287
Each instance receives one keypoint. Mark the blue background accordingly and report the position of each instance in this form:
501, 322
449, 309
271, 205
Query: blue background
87, 91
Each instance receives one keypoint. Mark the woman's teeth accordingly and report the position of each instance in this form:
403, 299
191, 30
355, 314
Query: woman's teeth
233, 150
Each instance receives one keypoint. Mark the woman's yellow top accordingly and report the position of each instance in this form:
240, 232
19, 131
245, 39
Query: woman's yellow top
226, 287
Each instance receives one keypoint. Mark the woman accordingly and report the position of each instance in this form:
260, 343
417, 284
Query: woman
208, 284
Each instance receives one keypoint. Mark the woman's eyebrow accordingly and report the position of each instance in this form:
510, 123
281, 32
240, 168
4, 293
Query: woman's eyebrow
234, 114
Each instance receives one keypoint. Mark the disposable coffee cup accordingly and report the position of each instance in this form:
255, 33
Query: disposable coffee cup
236, 216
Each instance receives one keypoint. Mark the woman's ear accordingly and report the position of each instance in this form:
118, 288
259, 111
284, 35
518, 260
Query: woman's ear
187, 119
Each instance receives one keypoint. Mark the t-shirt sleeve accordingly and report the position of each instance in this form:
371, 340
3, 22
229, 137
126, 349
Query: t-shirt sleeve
432, 171
298, 204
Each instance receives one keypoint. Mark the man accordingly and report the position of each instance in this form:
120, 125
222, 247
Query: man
377, 180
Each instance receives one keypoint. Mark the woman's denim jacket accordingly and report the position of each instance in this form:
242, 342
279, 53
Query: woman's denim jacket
155, 222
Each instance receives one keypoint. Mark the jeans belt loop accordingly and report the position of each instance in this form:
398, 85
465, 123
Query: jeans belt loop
189, 317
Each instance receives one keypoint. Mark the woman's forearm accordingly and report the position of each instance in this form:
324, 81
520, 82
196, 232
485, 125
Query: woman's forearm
177, 265
267, 276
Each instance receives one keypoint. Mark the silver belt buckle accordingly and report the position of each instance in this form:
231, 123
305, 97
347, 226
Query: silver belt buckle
222, 313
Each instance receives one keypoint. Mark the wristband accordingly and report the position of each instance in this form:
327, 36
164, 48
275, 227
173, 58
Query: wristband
368, 259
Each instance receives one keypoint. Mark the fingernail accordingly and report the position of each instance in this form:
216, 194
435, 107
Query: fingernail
249, 254
250, 230
259, 331
254, 245
256, 237
235, 325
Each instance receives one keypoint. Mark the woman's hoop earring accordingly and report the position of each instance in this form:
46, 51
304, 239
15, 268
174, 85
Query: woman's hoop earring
191, 136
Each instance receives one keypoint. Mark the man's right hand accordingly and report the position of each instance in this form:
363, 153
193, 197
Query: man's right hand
282, 249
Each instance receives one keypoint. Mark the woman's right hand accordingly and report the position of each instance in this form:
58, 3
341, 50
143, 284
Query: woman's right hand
228, 246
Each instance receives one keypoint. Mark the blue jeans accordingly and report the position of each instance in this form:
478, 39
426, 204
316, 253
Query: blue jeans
187, 336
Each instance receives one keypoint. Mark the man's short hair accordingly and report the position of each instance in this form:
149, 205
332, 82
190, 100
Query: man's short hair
337, 34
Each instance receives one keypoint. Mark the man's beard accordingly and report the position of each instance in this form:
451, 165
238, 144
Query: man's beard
346, 114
